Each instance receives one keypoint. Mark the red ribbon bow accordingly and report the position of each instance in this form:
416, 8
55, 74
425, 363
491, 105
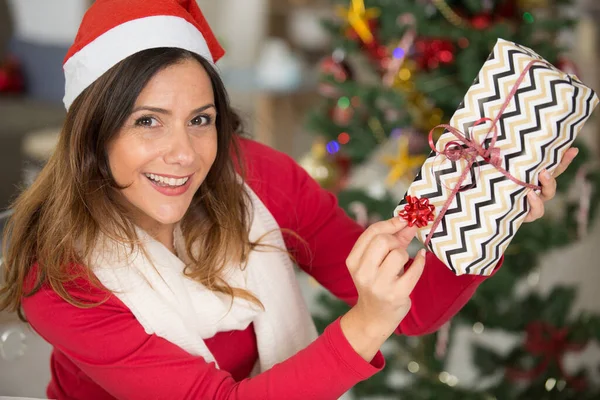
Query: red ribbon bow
470, 150
551, 344
417, 211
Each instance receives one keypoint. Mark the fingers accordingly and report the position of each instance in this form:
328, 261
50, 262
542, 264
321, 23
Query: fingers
392, 266
407, 282
389, 226
536, 205
548, 186
566, 161
377, 251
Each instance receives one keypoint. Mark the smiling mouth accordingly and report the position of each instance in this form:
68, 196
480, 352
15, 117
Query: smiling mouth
165, 181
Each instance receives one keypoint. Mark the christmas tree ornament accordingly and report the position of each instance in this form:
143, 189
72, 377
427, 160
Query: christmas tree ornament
336, 68
585, 195
441, 341
481, 21
431, 52
404, 79
320, 166
567, 66
449, 14
11, 76
377, 129
359, 18
342, 112
402, 49
403, 164
550, 344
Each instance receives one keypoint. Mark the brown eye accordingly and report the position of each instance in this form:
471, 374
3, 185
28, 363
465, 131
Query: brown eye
145, 121
201, 120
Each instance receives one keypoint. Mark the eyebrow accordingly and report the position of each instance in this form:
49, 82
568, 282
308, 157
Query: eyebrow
167, 112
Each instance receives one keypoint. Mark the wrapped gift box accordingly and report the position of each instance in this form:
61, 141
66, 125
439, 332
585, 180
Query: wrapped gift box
536, 111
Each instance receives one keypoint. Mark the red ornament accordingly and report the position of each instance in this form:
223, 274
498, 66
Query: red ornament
481, 21
11, 77
507, 9
375, 50
430, 53
341, 115
339, 70
567, 66
417, 211
551, 344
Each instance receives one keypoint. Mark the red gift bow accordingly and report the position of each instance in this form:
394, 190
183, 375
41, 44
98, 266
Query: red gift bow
417, 211
545, 340
454, 151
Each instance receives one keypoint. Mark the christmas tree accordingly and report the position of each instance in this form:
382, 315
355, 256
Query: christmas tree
398, 69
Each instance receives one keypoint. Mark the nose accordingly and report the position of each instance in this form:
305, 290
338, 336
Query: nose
180, 149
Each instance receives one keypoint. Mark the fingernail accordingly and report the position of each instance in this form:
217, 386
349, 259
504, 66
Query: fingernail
422, 252
546, 174
576, 151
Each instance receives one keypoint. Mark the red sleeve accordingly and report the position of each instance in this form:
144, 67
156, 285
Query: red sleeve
109, 345
298, 203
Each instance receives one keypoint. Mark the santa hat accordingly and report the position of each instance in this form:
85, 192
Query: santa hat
112, 30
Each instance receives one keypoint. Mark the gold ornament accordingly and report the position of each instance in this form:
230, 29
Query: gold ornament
448, 13
320, 167
403, 164
404, 80
358, 18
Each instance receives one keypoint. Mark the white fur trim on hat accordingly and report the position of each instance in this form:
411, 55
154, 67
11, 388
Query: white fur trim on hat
118, 43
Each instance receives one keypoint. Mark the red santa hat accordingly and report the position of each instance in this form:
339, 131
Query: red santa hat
112, 30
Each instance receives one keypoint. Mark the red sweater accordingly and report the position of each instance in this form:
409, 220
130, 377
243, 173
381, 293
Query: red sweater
104, 353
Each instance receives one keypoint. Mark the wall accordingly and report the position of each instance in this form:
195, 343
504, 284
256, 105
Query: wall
47, 22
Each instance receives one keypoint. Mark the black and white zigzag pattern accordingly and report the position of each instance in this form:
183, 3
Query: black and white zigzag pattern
539, 125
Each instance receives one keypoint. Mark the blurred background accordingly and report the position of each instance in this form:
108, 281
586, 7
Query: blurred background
350, 89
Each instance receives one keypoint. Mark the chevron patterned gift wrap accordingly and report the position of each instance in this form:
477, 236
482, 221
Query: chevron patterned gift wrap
527, 110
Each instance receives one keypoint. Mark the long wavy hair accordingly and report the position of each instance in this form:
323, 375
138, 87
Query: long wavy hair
58, 219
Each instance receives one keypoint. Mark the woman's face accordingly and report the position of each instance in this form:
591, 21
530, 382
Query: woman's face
167, 145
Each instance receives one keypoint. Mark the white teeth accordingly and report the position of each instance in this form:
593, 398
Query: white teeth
167, 181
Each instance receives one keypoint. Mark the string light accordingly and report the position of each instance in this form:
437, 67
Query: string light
396, 132
527, 17
333, 147
463, 42
560, 385
444, 376
343, 102
533, 278
399, 52
452, 381
413, 367
404, 74
343, 138
478, 328
550, 383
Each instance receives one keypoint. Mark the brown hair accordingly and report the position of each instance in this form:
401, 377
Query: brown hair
74, 198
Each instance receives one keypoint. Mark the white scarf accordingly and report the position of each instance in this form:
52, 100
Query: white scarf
184, 312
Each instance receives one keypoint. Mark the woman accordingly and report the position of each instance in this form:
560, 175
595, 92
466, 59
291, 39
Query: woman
152, 250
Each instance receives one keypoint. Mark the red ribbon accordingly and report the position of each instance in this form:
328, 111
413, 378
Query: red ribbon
551, 343
417, 211
455, 151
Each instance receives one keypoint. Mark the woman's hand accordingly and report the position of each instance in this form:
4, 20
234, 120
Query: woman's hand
548, 182
376, 264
